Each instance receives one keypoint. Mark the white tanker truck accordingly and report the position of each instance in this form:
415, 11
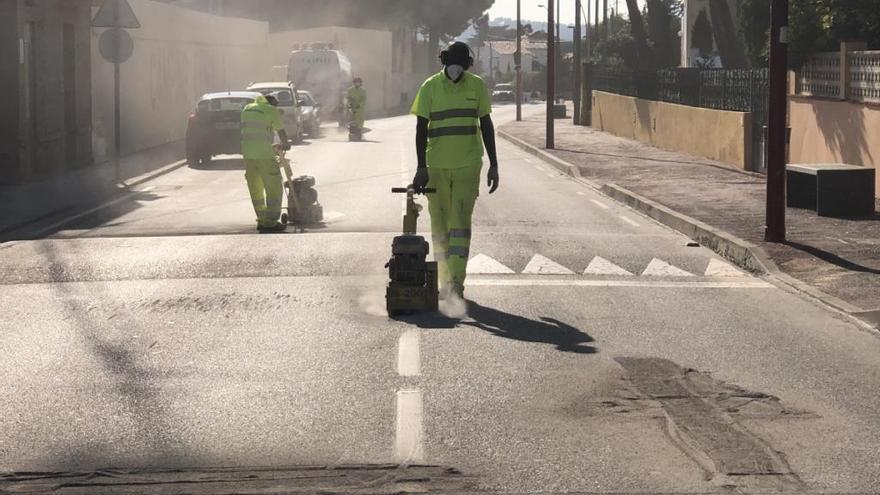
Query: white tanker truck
324, 72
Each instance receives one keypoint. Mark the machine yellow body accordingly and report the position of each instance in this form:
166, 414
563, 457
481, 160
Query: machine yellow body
413, 284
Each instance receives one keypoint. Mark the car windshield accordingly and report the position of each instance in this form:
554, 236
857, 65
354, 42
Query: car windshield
634, 248
224, 104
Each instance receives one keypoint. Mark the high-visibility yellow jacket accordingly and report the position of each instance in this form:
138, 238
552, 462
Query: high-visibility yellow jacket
453, 111
259, 123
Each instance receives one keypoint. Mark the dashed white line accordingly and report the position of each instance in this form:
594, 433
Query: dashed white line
600, 204
580, 193
408, 357
629, 221
408, 446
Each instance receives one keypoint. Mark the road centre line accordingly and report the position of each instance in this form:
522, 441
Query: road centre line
629, 221
408, 356
648, 284
580, 193
100, 207
408, 445
600, 204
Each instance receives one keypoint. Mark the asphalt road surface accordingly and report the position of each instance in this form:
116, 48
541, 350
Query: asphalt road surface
597, 352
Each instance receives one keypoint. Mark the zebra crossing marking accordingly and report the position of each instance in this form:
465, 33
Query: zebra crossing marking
660, 268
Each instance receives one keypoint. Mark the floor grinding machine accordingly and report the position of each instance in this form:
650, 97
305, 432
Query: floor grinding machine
413, 285
303, 207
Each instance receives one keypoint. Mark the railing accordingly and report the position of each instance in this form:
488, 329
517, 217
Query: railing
740, 90
821, 77
864, 76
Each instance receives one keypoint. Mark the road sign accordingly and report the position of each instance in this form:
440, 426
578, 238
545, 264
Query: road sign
116, 14
116, 45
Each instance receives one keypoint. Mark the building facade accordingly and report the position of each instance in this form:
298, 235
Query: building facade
45, 112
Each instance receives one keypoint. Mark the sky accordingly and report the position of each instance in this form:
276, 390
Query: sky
531, 11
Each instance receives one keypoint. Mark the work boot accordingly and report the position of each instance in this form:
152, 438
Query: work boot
274, 229
451, 290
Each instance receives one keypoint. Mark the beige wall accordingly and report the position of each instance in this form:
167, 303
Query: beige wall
828, 131
369, 51
714, 134
179, 55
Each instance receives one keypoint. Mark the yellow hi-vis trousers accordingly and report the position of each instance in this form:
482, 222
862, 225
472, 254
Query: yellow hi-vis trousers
451, 209
264, 183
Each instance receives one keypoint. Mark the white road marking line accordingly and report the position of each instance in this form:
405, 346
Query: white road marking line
408, 441
629, 221
660, 268
580, 193
408, 357
541, 282
550, 175
486, 265
601, 266
600, 204
545, 266
718, 268
91, 210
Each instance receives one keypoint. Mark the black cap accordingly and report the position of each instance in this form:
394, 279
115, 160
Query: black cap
458, 52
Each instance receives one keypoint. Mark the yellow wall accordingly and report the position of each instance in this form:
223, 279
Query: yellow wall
830, 131
715, 134
179, 54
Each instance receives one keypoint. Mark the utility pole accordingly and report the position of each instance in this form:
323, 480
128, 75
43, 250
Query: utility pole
551, 80
518, 60
589, 37
117, 127
558, 45
576, 96
774, 231
605, 21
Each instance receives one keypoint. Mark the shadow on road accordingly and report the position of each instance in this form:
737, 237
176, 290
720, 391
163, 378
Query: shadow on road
220, 164
546, 330
832, 258
510, 326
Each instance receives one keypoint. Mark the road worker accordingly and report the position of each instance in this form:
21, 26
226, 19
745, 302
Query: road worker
357, 103
260, 121
454, 125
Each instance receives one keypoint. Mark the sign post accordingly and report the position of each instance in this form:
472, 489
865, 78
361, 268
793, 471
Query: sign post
116, 46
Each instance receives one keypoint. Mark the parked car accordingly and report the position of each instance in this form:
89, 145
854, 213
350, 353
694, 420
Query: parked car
214, 127
503, 92
310, 110
284, 91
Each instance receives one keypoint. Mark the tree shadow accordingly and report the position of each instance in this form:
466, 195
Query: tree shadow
843, 128
546, 330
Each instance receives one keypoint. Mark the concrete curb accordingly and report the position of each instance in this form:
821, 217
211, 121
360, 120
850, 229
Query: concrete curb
741, 252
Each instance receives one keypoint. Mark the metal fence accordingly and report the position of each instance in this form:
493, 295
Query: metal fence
740, 90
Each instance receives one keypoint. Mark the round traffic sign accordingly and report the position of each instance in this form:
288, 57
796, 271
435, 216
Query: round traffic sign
116, 45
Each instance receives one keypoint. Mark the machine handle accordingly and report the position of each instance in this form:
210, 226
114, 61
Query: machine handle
427, 190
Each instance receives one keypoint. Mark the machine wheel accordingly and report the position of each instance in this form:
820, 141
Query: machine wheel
205, 160
284, 218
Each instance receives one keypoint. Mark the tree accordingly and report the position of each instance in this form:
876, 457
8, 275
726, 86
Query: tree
814, 26
701, 36
730, 47
644, 56
663, 28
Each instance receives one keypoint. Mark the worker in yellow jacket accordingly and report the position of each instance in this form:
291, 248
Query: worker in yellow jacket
454, 125
260, 121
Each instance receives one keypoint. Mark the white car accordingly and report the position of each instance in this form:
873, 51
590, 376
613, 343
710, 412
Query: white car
284, 92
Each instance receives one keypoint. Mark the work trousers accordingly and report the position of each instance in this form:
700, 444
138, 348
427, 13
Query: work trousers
451, 209
264, 183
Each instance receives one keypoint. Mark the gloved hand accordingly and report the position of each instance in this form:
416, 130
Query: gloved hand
492, 178
420, 181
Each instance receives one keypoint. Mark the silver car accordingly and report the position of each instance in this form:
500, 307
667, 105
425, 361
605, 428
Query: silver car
285, 92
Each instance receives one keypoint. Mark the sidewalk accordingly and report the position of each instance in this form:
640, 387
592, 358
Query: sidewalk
839, 257
23, 204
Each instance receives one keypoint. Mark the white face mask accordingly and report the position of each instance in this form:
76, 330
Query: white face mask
454, 71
